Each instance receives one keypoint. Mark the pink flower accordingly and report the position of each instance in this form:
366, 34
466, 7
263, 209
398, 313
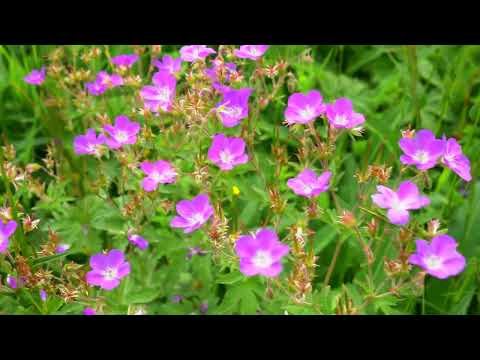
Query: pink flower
340, 114
194, 53
308, 184
88, 143
169, 64
438, 258
423, 151
6, 231
162, 94
89, 311
159, 172
123, 133
192, 214
108, 269
398, 203
227, 152
304, 108
454, 158
125, 60
36, 77
234, 106
261, 253
253, 52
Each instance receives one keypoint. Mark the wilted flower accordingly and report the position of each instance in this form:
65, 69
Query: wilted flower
12, 282
193, 53
61, 248
88, 143
138, 241
159, 172
43, 295
177, 299
340, 114
108, 269
308, 184
234, 106
439, 258
125, 60
203, 307
304, 108
213, 72
406, 198
36, 77
261, 253
169, 64
454, 158
192, 251
89, 311
6, 230
162, 94
227, 152
192, 214
253, 52
124, 132
422, 151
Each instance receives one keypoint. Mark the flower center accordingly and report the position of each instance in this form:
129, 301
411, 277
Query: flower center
197, 218
226, 157
434, 262
232, 111
254, 51
121, 136
307, 113
164, 94
110, 273
262, 259
341, 120
422, 157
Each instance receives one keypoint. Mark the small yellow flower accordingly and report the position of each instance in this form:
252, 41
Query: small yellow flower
235, 190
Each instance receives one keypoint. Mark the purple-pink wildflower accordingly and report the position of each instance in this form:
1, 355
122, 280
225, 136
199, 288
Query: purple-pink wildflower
304, 108
125, 60
453, 158
162, 94
95, 88
176, 299
169, 64
308, 184
110, 81
137, 240
123, 133
36, 77
158, 172
398, 203
340, 114
438, 258
261, 253
108, 269
227, 152
423, 150
6, 230
88, 143
203, 307
103, 82
194, 53
192, 214
234, 106
253, 52
89, 311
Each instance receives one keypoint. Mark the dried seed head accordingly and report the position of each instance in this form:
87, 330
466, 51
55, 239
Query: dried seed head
348, 219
